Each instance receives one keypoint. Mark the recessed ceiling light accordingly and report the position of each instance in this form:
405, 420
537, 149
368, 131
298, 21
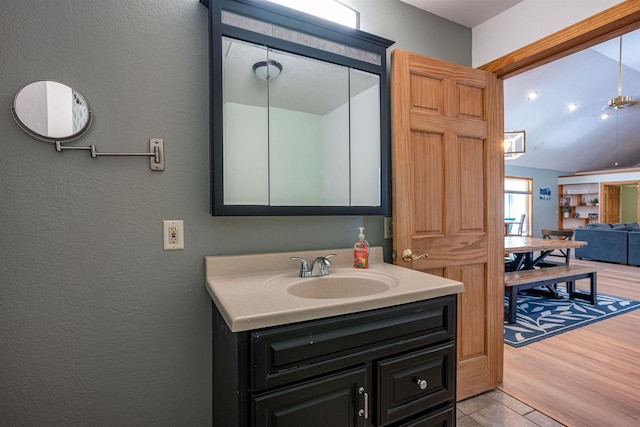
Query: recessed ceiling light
572, 107
532, 96
604, 116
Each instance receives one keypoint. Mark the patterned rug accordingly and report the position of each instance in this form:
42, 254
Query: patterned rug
539, 317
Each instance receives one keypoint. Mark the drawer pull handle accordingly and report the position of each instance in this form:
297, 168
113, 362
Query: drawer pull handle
422, 383
364, 412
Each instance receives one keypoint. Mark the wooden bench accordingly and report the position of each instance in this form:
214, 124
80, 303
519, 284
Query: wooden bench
527, 279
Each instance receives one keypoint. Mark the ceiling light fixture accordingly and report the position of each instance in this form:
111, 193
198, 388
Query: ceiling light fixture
532, 96
267, 70
604, 116
620, 101
514, 144
572, 107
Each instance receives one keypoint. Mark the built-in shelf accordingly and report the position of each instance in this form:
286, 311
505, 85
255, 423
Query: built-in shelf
578, 199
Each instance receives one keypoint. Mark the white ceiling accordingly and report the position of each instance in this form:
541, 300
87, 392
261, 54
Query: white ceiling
464, 12
305, 84
578, 140
557, 139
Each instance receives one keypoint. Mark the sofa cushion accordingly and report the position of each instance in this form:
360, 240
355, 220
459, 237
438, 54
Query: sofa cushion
634, 247
623, 227
599, 225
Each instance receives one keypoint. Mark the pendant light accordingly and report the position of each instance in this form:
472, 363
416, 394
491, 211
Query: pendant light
620, 101
514, 144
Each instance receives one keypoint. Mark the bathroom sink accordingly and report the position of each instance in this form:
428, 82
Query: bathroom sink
256, 291
340, 286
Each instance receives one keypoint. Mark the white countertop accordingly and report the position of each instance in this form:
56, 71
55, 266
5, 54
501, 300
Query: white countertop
250, 290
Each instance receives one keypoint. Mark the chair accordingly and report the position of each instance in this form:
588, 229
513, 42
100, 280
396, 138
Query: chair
519, 227
565, 254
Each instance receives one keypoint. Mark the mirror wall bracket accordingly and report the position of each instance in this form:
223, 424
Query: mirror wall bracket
155, 154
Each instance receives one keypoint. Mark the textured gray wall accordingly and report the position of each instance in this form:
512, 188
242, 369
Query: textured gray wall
98, 325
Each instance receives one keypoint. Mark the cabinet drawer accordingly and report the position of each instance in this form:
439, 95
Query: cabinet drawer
445, 417
283, 354
410, 383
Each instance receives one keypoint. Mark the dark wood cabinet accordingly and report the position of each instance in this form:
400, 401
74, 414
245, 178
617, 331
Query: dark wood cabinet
388, 367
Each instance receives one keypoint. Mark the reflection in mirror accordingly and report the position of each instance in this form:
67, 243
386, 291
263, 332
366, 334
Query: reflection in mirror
365, 138
245, 123
51, 111
309, 135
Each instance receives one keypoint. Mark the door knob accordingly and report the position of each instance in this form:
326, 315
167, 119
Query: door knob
408, 255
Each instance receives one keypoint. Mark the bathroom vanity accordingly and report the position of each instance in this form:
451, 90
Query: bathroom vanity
383, 358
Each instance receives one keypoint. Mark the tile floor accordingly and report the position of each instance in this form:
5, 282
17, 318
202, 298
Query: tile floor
497, 409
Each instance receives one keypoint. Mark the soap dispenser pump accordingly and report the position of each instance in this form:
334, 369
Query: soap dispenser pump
361, 251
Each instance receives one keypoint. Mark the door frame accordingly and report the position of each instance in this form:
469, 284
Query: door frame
620, 183
606, 25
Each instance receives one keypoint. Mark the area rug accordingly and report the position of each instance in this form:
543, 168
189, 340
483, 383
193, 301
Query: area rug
539, 317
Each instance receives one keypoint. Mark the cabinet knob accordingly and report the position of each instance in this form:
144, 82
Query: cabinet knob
422, 383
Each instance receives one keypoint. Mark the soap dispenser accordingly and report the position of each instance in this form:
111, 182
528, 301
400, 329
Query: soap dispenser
361, 251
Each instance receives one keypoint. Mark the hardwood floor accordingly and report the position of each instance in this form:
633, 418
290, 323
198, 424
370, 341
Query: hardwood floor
589, 376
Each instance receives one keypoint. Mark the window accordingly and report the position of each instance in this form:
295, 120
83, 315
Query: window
517, 201
331, 10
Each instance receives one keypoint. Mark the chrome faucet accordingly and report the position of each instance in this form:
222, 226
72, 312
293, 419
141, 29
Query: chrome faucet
322, 262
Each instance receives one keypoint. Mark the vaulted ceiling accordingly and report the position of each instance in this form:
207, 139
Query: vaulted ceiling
578, 140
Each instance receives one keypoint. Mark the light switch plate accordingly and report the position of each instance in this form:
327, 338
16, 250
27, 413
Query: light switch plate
173, 234
388, 228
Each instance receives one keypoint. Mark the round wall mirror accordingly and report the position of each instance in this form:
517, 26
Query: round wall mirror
51, 111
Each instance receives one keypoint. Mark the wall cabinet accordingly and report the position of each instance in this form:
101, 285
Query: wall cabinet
297, 104
388, 367
578, 205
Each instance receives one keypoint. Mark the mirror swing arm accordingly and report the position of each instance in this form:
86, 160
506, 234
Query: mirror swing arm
156, 145
155, 154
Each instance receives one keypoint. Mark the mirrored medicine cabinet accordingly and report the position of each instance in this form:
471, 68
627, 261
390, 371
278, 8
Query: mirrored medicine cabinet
299, 114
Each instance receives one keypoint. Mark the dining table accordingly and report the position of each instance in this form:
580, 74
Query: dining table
524, 250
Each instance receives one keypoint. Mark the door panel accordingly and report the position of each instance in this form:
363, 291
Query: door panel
612, 204
428, 166
471, 190
448, 172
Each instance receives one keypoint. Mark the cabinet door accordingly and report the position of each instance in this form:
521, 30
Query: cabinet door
339, 400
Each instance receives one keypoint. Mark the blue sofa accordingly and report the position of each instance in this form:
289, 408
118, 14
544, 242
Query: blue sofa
633, 253
619, 243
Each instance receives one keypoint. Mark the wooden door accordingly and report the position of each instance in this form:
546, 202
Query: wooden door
612, 204
448, 179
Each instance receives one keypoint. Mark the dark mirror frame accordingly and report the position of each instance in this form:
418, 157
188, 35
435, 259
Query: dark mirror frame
278, 15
